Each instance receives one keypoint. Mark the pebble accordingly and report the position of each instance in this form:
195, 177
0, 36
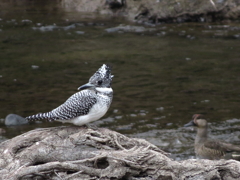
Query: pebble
128, 28
14, 119
80, 32
35, 67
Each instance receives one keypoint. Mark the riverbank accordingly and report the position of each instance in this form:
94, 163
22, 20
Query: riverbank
158, 11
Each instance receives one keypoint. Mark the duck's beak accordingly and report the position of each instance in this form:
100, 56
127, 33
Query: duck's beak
191, 123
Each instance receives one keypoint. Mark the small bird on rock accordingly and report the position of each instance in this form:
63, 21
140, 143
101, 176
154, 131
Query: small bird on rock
206, 148
87, 105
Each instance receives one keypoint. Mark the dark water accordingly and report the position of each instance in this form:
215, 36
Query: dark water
162, 77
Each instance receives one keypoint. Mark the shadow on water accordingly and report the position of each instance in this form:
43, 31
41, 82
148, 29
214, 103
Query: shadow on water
162, 76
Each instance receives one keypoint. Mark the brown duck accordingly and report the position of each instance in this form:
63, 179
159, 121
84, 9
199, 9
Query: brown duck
206, 148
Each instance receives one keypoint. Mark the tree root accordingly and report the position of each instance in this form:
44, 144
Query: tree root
82, 153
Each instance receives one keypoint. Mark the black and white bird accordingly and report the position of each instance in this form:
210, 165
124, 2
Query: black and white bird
87, 105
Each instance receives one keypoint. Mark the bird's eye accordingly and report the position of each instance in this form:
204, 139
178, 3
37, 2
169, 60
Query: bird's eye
99, 82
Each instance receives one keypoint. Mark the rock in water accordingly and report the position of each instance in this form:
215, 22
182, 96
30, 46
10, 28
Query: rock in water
14, 119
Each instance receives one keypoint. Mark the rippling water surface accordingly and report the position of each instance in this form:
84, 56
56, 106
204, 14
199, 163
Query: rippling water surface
163, 74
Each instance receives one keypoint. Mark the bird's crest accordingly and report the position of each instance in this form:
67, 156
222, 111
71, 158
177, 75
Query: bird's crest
102, 74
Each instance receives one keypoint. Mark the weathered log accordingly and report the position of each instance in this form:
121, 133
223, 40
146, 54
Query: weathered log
84, 153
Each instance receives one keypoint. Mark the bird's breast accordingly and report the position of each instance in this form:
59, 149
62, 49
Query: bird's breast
96, 112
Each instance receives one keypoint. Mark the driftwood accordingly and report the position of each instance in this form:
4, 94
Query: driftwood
83, 153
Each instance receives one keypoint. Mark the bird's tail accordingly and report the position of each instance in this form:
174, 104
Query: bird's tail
40, 116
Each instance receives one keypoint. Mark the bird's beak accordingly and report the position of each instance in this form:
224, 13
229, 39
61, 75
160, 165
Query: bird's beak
191, 123
86, 86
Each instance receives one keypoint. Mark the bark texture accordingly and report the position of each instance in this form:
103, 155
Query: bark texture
83, 153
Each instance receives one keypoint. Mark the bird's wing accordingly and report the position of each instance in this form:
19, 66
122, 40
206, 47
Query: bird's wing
230, 147
213, 149
214, 144
221, 146
77, 105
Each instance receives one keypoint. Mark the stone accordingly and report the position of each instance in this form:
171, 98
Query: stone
14, 119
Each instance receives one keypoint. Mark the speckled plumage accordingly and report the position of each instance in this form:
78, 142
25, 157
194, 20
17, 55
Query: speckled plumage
85, 106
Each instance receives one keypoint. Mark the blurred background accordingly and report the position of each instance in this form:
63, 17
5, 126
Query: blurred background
163, 74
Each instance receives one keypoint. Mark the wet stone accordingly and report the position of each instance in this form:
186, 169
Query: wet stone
79, 32
14, 119
128, 28
35, 67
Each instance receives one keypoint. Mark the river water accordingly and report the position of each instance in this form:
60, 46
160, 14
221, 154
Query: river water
162, 74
